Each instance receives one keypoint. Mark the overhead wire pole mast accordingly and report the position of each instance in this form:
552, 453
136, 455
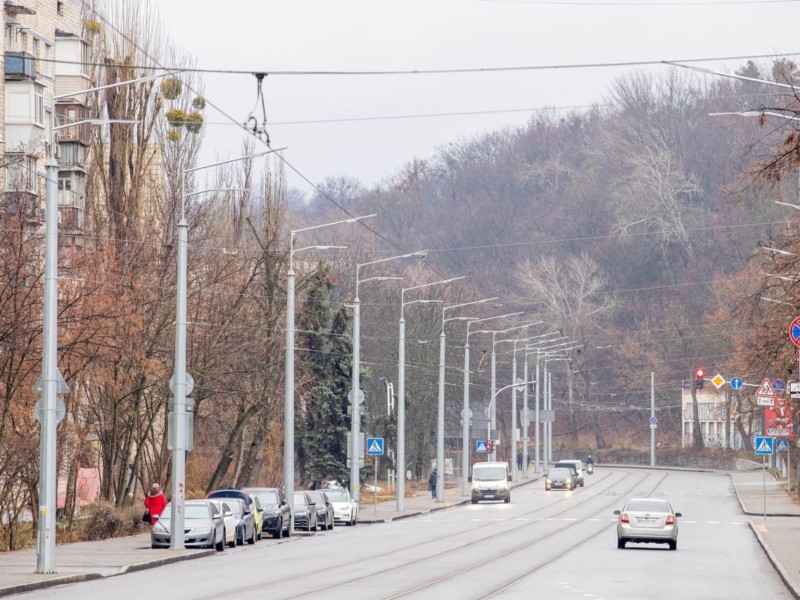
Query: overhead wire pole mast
401, 388
355, 392
440, 404
466, 412
288, 412
52, 382
180, 380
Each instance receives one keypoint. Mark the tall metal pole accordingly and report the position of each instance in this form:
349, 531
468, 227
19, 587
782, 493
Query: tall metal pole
652, 417
48, 484
513, 457
525, 421
551, 420
288, 400
493, 408
465, 437
355, 423
537, 442
440, 423
401, 416
177, 533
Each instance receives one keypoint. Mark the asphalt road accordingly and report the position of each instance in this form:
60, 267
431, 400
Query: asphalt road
544, 544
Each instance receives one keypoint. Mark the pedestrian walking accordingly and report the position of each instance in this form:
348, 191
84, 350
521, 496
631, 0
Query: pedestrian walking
432, 483
154, 502
519, 460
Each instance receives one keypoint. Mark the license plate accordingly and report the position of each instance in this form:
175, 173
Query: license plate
647, 521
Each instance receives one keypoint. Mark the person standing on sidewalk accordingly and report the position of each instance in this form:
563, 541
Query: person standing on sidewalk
155, 502
432, 483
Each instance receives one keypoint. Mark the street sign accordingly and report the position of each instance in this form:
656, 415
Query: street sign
360, 396
778, 387
375, 446
653, 426
782, 445
765, 445
653, 420
736, 383
547, 416
765, 400
718, 381
765, 389
480, 446
794, 331
734, 415
794, 390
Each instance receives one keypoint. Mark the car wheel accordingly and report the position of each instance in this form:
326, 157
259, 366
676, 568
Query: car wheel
260, 535
213, 543
474, 501
287, 533
507, 500
278, 530
252, 538
620, 543
673, 545
220, 545
239, 536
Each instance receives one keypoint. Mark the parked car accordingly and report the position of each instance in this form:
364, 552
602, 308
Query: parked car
245, 522
578, 465
230, 521
345, 508
305, 512
203, 524
560, 478
277, 512
324, 509
252, 502
649, 520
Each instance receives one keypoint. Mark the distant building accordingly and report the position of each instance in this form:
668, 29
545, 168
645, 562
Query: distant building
717, 418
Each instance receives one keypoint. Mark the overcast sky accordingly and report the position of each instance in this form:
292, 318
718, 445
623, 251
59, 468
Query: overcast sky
362, 35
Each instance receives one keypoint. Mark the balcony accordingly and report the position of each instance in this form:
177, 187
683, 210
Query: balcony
20, 65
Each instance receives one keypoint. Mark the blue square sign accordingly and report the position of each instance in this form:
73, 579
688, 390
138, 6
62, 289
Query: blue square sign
375, 446
765, 445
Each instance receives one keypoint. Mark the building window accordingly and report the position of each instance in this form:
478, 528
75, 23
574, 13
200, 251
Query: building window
38, 104
20, 173
48, 60
60, 7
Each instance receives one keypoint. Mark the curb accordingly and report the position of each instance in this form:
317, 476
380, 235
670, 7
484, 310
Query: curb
151, 564
784, 575
751, 513
47, 583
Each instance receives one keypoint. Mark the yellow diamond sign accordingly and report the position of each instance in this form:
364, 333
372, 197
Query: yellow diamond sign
734, 415
718, 380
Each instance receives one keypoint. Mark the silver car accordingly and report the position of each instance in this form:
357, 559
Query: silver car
649, 520
203, 524
345, 508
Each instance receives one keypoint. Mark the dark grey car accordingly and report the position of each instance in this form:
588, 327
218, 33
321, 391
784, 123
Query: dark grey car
202, 522
305, 512
277, 512
324, 508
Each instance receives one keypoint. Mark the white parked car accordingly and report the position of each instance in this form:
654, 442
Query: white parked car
345, 508
230, 521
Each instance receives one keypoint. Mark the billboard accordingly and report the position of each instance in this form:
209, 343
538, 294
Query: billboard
778, 419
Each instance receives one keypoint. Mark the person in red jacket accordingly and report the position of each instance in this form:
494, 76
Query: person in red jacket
154, 502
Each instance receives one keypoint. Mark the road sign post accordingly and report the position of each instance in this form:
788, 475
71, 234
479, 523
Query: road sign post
765, 446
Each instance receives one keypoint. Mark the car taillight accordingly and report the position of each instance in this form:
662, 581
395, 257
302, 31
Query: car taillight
623, 518
670, 520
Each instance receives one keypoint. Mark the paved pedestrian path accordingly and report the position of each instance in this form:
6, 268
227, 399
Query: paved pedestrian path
778, 533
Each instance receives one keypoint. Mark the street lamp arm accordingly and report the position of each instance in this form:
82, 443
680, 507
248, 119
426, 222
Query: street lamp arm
351, 220
720, 74
421, 253
233, 160
114, 85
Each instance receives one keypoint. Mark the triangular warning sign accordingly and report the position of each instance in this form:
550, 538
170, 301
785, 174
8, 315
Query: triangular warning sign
481, 447
375, 446
766, 389
764, 446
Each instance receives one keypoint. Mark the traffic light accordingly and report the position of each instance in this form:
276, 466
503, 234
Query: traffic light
699, 374
489, 445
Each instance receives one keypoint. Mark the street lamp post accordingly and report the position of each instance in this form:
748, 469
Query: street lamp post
288, 413
401, 389
440, 404
466, 413
355, 392
52, 382
180, 376
548, 388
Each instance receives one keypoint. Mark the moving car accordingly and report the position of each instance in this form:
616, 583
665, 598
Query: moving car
324, 509
229, 520
252, 502
575, 464
649, 520
560, 478
490, 482
305, 512
203, 524
277, 512
345, 508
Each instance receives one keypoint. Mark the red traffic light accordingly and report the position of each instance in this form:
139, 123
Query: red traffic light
700, 373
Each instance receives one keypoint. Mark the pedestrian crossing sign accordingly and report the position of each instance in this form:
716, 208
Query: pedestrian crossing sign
783, 445
480, 447
375, 446
765, 445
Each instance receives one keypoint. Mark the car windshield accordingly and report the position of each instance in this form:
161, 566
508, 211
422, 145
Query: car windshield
317, 497
338, 495
300, 499
192, 511
560, 473
267, 498
652, 506
236, 508
489, 474
568, 466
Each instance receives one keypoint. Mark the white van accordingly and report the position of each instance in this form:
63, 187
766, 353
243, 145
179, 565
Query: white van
490, 482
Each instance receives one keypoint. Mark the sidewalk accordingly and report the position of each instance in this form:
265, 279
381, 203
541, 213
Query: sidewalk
778, 534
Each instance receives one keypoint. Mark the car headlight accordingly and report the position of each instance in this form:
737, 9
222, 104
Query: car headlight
201, 530
159, 528
548, 482
272, 513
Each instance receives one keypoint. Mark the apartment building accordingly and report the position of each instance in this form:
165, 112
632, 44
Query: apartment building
43, 57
